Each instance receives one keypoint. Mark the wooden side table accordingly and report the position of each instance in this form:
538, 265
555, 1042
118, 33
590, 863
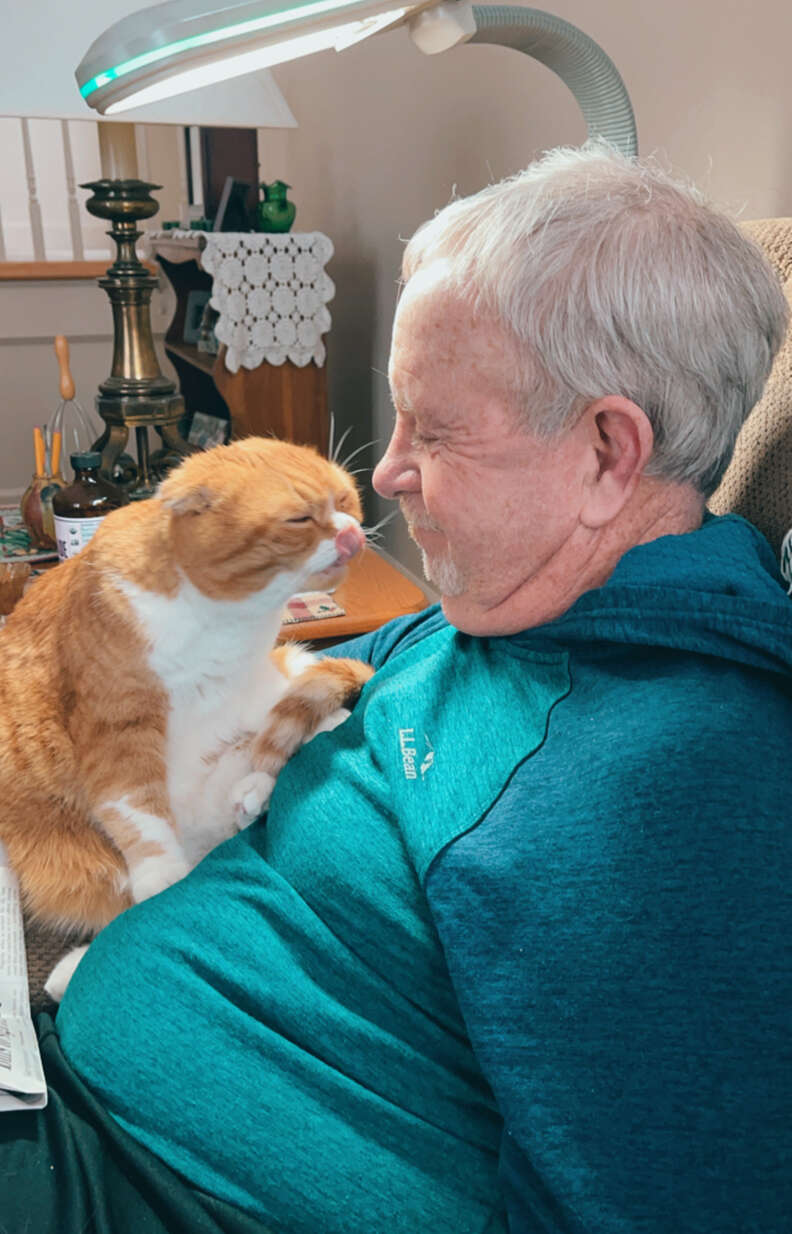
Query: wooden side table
373, 592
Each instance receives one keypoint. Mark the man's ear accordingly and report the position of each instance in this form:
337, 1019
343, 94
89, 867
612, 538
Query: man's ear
620, 439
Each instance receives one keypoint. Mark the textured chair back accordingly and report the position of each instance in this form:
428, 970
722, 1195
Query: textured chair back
758, 482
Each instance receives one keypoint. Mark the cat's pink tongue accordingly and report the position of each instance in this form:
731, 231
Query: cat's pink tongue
348, 542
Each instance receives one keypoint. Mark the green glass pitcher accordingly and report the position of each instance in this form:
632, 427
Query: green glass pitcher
275, 212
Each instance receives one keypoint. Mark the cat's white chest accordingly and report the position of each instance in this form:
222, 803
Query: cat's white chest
213, 660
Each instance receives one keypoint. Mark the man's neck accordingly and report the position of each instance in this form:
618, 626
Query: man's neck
586, 560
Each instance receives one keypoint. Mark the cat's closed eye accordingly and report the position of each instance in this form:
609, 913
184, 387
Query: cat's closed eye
303, 518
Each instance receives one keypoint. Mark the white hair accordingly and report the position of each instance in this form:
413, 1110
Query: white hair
611, 277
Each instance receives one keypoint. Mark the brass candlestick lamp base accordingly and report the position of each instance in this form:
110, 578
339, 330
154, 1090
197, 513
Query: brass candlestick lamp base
136, 394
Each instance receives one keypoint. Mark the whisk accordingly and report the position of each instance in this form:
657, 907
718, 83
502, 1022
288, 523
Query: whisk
71, 421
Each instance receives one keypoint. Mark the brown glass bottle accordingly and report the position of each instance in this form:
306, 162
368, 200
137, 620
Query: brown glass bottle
80, 507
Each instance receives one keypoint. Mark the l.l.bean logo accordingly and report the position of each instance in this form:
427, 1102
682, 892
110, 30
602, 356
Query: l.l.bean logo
409, 754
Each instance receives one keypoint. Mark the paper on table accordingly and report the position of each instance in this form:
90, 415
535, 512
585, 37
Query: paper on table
22, 1083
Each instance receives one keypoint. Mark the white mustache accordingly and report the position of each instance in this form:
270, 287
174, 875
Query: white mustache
417, 517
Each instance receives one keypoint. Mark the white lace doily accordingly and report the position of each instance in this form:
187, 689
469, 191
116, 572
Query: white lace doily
271, 292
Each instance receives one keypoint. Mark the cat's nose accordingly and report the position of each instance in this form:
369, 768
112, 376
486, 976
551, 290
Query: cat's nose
348, 542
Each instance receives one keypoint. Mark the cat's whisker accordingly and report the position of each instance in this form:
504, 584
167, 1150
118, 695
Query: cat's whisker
373, 535
388, 518
341, 440
374, 442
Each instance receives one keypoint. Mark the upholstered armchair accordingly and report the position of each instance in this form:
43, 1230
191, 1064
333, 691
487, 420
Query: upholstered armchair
758, 483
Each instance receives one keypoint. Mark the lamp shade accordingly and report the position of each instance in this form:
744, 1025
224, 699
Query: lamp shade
42, 48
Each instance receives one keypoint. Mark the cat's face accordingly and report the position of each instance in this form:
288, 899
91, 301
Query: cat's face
242, 515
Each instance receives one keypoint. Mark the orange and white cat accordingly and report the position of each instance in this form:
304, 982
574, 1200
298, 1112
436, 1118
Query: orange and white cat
143, 710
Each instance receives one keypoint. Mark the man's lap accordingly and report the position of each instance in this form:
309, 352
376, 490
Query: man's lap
70, 1169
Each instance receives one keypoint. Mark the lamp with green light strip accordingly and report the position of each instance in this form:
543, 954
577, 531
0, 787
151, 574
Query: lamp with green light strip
178, 46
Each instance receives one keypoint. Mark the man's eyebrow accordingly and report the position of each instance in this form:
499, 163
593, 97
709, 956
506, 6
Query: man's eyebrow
401, 402
442, 417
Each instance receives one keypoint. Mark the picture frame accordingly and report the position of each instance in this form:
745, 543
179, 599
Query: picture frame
193, 315
226, 152
207, 431
232, 210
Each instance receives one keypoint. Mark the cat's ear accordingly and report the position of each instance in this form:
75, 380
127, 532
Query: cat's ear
193, 499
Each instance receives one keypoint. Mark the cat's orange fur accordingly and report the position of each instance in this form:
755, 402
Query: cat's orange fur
85, 705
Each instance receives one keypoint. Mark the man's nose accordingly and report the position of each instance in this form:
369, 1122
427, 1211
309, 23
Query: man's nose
395, 473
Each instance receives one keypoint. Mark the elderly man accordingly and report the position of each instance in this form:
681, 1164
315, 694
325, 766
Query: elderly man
512, 950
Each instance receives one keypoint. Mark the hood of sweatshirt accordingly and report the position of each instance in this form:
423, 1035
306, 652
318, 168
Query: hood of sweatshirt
716, 590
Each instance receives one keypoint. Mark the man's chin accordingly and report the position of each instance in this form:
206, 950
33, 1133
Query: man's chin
442, 574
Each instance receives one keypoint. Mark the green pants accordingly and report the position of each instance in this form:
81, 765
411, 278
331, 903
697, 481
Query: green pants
70, 1169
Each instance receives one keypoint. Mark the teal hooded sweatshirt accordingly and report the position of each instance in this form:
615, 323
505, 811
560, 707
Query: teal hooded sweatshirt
513, 947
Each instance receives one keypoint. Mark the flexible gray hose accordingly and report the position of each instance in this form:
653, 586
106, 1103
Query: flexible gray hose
580, 63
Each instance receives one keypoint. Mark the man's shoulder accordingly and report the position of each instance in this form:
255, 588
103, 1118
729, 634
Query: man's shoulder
393, 638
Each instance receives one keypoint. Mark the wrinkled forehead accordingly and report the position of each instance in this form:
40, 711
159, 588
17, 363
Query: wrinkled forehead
436, 332
428, 301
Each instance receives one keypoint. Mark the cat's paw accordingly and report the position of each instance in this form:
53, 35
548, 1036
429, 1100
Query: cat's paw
155, 874
249, 796
63, 972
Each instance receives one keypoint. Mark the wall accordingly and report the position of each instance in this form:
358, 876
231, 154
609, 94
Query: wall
386, 133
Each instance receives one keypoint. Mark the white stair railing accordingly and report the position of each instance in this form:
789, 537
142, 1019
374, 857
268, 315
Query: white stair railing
42, 215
